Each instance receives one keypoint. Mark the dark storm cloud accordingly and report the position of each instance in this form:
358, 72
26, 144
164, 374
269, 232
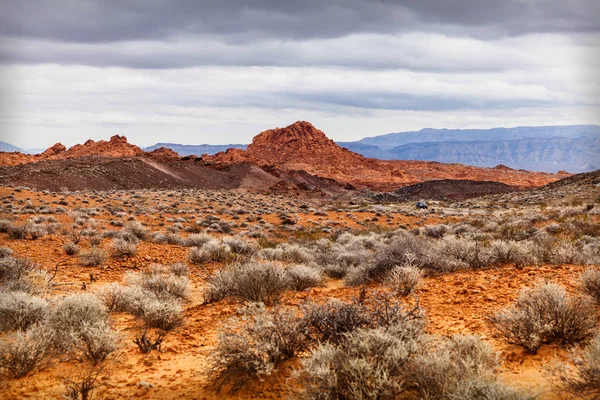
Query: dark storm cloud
89, 21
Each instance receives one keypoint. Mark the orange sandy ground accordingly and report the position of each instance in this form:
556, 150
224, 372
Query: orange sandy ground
459, 302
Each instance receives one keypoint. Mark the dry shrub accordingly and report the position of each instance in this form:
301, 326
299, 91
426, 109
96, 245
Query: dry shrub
262, 342
209, 251
136, 229
404, 279
163, 315
118, 298
545, 314
96, 341
71, 249
23, 353
250, 281
395, 362
329, 322
69, 317
14, 273
81, 385
163, 284
590, 283
301, 277
94, 257
19, 310
584, 379
123, 248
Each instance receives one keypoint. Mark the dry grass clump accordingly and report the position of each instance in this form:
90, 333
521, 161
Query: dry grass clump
261, 340
209, 251
403, 280
329, 322
590, 283
71, 249
70, 315
584, 379
95, 341
23, 353
391, 362
123, 248
301, 277
255, 348
546, 314
93, 257
19, 310
250, 281
160, 282
19, 274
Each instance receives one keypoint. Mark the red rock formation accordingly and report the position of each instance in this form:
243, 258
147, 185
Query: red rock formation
163, 153
58, 148
301, 146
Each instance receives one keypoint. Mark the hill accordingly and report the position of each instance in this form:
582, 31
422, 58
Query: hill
7, 147
301, 146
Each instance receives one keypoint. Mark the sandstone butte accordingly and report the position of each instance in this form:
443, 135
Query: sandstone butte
302, 147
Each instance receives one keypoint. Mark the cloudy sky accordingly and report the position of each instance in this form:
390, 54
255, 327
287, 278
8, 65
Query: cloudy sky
194, 71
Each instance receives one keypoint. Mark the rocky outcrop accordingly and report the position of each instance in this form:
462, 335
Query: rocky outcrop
301, 146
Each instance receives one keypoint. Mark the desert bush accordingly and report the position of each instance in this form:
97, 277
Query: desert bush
329, 322
93, 257
301, 277
404, 279
19, 310
81, 385
197, 240
123, 248
163, 315
287, 252
250, 281
368, 364
96, 341
447, 366
23, 353
118, 298
163, 285
584, 380
545, 314
436, 231
71, 249
136, 229
382, 364
590, 283
263, 341
240, 246
519, 253
471, 252
179, 269
69, 316
5, 251
210, 251
18, 274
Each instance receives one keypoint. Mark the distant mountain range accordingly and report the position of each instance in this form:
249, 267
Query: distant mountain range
573, 148
10, 148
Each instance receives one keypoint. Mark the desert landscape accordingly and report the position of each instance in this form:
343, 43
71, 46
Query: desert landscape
312, 200
127, 274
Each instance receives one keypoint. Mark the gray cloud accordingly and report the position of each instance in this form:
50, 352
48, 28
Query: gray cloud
75, 69
91, 21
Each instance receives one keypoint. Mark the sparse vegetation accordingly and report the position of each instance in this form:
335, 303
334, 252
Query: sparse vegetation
546, 314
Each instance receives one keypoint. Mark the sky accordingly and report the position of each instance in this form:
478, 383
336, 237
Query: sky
218, 72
